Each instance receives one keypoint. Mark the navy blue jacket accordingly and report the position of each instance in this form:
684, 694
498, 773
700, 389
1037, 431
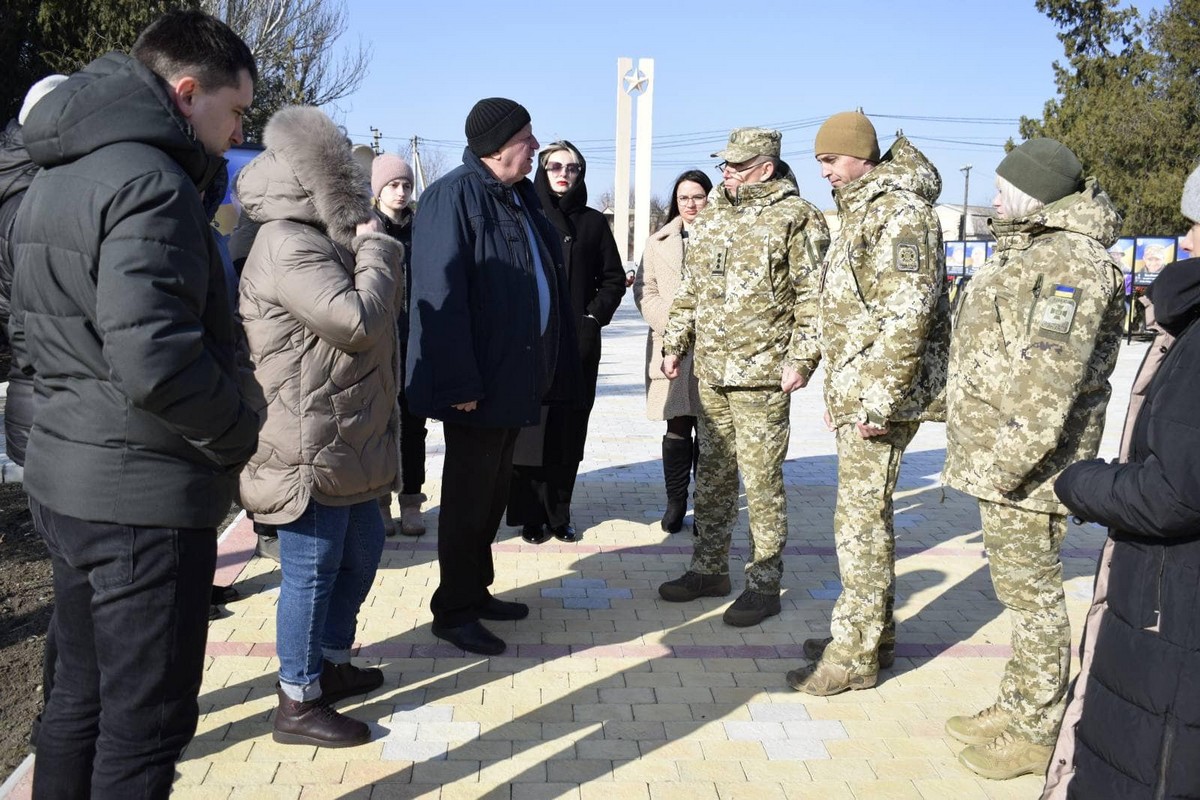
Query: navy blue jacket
473, 316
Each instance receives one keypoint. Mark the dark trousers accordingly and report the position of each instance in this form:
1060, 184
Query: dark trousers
475, 477
412, 449
130, 623
542, 495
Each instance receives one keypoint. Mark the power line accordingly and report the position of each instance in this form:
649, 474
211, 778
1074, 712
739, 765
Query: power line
957, 120
715, 138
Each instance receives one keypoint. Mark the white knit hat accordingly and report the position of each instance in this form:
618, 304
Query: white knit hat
36, 93
1190, 203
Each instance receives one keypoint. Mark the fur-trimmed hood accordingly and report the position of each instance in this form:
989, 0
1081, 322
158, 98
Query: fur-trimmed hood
306, 175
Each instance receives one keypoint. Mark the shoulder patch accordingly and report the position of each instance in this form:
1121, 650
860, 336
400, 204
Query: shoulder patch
1059, 312
907, 256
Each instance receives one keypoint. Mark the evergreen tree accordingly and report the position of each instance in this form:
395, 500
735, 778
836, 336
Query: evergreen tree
40, 37
1127, 103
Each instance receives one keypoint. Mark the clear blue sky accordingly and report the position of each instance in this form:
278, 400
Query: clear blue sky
787, 64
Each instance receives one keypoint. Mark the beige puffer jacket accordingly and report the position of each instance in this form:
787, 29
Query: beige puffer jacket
319, 309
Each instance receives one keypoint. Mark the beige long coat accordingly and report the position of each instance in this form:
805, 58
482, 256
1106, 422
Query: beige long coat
657, 280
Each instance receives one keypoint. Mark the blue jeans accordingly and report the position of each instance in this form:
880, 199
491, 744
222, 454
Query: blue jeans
328, 558
130, 624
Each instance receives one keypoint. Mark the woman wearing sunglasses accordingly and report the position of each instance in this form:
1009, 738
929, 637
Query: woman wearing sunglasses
546, 457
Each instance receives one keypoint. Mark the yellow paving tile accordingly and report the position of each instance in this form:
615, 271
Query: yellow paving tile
241, 773
365, 773
615, 790
751, 791
911, 769
825, 790
845, 769
944, 788
885, 789
307, 774
714, 770
691, 790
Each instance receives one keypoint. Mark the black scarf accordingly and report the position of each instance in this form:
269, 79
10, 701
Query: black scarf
559, 210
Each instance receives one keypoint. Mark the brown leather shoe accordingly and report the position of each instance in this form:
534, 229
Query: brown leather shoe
316, 723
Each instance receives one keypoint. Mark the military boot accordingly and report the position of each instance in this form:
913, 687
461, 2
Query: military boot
815, 648
824, 678
1007, 756
979, 728
693, 585
751, 608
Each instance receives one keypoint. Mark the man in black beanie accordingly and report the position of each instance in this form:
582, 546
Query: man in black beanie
491, 340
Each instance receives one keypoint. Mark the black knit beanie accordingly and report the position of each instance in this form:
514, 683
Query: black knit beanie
492, 122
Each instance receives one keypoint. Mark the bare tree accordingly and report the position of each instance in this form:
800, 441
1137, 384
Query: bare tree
293, 45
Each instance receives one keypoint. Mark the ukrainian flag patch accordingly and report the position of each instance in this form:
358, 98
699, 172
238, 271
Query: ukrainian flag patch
1059, 312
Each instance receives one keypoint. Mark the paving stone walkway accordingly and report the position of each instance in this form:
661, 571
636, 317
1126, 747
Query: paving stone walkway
606, 691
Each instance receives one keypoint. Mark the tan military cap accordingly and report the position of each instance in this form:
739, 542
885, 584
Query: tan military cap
747, 143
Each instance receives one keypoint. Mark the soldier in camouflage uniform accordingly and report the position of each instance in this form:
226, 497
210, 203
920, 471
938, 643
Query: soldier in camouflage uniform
884, 330
745, 307
1034, 343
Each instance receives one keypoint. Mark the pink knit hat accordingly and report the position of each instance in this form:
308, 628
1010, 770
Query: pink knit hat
387, 168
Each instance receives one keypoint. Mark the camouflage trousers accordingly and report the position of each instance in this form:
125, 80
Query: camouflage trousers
1023, 554
747, 428
866, 544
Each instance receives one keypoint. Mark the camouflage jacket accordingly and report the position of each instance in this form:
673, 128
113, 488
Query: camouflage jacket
1035, 340
884, 323
747, 299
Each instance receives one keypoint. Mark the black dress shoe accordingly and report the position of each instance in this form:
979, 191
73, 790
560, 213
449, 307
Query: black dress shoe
499, 610
534, 534
564, 533
224, 594
339, 681
472, 637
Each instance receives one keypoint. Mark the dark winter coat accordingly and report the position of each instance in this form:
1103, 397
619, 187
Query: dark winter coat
16, 174
596, 277
1139, 726
402, 232
125, 311
474, 333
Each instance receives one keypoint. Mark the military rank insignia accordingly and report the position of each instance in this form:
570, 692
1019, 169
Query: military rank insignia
1059, 311
908, 257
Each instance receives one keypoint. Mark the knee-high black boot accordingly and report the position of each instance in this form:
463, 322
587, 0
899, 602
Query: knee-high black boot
677, 468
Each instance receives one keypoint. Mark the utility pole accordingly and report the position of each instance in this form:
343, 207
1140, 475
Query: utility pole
376, 135
966, 171
418, 169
